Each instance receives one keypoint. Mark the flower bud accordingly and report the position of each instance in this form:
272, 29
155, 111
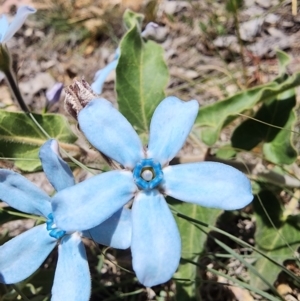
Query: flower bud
78, 95
53, 94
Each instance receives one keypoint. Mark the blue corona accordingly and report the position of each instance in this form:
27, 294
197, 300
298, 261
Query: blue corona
147, 174
53, 230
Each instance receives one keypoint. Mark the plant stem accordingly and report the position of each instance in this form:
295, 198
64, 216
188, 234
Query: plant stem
20, 292
15, 89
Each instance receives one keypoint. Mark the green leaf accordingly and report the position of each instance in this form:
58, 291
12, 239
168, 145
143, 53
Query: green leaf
281, 149
286, 232
277, 140
283, 59
233, 6
141, 76
267, 269
277, 239
212, 118
42, 281
193, 241
6, 217
21, 138
8, 214
225, 152
131, 19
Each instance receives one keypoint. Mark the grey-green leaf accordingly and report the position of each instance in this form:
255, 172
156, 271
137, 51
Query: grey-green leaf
212, 118
275, 130
20, 137
141, 76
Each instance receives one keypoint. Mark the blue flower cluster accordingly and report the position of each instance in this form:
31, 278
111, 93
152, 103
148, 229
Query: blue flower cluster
95, 208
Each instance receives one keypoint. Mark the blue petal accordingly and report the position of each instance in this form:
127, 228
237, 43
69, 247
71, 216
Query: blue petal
21, 194
101, 76
57, 170
110, 132
208, 184
18, 21
89, 203
114, 232
3, 27
72, 280
21, 256
171, 123
156, 243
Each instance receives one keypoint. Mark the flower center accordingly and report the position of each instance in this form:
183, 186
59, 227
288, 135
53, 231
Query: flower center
147, 174
53, 230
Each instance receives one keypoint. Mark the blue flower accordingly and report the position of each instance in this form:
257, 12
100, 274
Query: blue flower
8, 30
103, 73
146, 177
21, 256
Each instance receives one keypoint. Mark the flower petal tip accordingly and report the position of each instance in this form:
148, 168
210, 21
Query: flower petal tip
19, 19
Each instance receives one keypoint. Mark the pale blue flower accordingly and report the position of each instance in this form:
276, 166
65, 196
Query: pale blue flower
146, 178
102, 74
21, 256
7, 30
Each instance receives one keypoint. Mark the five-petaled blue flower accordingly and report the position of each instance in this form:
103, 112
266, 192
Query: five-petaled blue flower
21, 256
146, 177
8, 30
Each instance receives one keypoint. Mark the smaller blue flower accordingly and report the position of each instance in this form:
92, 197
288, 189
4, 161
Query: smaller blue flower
8, 30
21, 256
